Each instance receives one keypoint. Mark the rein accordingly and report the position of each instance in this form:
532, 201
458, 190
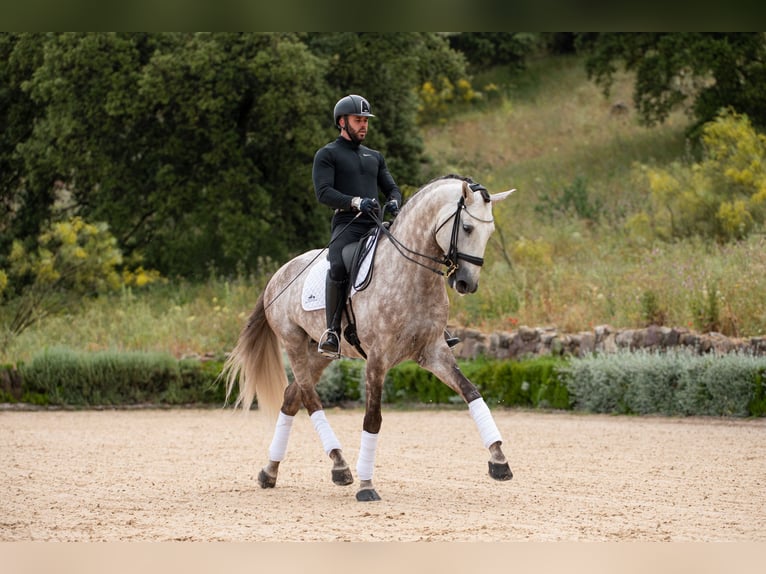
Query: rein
453, 257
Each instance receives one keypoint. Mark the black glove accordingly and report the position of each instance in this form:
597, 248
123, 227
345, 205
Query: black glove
391, 207
368, 205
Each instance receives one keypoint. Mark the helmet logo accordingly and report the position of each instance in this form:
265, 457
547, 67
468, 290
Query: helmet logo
365, 106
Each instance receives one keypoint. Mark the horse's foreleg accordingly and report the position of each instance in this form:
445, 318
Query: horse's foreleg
365, 464
499, 469
448, 371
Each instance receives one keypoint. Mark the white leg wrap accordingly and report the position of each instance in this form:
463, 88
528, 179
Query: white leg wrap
366, 461
281, 434
326, 435
483, 419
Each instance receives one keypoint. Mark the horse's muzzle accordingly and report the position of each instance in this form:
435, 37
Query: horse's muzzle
462, 285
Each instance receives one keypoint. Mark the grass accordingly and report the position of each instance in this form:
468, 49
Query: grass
181, 319
550, 131
553, 267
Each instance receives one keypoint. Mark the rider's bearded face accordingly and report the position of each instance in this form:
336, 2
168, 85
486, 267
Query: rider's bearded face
356, 128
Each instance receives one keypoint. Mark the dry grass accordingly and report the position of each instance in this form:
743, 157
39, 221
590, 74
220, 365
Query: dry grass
555, 268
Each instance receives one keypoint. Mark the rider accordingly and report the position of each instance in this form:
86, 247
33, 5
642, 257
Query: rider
348, 177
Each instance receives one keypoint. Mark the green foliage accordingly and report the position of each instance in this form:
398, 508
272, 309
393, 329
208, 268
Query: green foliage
487, 49
410, 383
721, 197
573, 200
66, 377
672, 383
705, 309
342, 381
528, 383
73, 259
197, 144
197, 148
652, 311
757, 405
708, 70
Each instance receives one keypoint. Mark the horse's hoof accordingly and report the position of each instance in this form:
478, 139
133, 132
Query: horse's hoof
367, 495
266, 481
342, 476
500, 471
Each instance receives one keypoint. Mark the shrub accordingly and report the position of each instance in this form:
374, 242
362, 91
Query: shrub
722, 197
671, 383
65, 377
342, 381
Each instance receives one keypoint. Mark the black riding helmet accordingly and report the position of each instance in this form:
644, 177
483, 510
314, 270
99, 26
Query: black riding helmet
351, 105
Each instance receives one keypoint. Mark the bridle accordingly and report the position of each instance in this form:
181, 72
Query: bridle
452, 258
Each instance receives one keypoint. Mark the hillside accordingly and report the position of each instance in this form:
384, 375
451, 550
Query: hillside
561, 255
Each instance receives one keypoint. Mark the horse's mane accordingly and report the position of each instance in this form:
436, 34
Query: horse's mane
434, 184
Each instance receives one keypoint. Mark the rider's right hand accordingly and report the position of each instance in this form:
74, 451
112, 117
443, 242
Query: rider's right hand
368, 205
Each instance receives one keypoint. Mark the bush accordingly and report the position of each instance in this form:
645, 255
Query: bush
342, 381
65, 377
722, 197
638, 382
672, 383
410, 383
529, 383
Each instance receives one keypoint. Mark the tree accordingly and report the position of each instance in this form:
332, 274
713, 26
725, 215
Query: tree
188, 144
709, 71
486, 49
73, 259
20, 209
196, 148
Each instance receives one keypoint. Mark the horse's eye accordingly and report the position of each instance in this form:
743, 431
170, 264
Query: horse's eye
468, 228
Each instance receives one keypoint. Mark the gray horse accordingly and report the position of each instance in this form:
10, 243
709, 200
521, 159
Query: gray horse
401, 315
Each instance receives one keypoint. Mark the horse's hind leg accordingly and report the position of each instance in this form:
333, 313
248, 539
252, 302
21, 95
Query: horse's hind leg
307, 367
295, 396
291, 403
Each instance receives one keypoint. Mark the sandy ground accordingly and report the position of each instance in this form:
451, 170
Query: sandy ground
190, 475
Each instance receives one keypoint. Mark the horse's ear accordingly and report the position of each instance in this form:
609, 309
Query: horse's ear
495, 197
467, 193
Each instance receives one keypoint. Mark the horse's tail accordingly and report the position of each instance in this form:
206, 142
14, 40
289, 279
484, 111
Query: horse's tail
257, 362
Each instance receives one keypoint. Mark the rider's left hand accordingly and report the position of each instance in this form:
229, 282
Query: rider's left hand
391, 207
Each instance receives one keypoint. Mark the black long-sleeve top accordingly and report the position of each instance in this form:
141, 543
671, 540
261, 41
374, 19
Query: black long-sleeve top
344, 170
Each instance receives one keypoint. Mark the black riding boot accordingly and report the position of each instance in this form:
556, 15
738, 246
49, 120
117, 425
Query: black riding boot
451, 341
335, 293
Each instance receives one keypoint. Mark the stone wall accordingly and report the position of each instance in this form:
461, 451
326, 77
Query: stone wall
527, 341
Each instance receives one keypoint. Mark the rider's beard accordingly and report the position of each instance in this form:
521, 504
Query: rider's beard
355, 136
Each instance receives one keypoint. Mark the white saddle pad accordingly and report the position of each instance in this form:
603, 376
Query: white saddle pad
313, 297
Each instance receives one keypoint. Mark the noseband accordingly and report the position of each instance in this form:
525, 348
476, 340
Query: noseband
453, 256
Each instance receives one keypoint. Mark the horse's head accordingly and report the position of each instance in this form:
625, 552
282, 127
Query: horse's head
463, 232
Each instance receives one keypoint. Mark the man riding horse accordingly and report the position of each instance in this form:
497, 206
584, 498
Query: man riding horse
348, 177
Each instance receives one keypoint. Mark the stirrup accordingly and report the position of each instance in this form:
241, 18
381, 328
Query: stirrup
451, 341
333, 352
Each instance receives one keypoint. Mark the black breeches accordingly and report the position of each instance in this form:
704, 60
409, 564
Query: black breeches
342, 235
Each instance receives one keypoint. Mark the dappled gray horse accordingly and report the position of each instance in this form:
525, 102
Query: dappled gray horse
401, 315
